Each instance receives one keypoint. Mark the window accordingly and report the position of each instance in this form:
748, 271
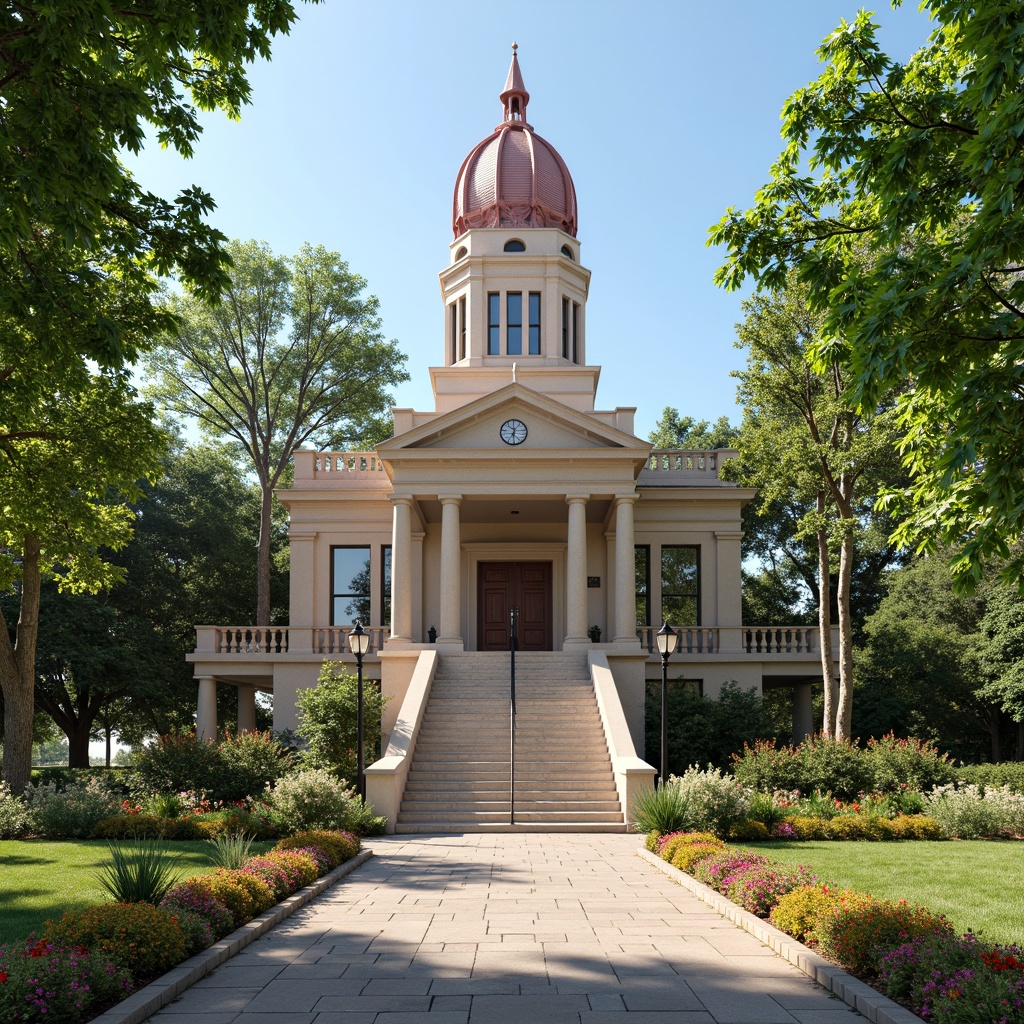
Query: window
463, 251
680, 585
565, 328
566, 251
462, 327
514, 323
534, 323
453, 314
575, 332
350, 585
385, 596
642, 564
493, 324
515, 245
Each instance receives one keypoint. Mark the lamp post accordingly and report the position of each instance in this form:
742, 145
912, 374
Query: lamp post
358, 642
666, 641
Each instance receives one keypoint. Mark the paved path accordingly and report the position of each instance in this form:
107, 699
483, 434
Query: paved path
488, 929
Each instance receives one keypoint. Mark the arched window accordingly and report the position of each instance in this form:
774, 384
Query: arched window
566, 251
515, 245
463, 251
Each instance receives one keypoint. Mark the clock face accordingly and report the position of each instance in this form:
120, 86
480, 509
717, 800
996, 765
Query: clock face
513, 432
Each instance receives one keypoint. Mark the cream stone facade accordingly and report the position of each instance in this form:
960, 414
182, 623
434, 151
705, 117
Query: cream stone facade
514, 492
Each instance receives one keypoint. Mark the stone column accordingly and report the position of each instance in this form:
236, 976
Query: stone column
206, 709
625, 572
576, 571
451, 570
803, 712
401, 569
246, 709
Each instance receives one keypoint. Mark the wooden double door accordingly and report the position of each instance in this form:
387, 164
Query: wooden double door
503, 586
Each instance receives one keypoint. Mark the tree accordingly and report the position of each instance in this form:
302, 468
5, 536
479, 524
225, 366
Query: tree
293, 354
90, 440
673, 431
802, 443
919, 166
1002, 657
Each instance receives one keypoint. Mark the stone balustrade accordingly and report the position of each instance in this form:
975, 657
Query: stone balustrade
675, 468
757, 640
338, 469
273, 641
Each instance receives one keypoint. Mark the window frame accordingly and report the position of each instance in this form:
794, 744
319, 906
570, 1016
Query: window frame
696, 595
533, 324
494, 323
336, 594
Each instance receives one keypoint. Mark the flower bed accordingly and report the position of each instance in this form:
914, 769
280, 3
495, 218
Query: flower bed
904, 951
91, 959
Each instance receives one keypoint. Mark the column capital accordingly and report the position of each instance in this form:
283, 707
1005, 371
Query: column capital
450, 499
577, 499
625, 499
401, 499
728, 535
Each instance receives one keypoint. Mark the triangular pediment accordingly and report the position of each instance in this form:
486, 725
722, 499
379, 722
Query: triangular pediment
548, 424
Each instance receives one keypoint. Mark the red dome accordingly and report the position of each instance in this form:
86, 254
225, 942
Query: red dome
514, 178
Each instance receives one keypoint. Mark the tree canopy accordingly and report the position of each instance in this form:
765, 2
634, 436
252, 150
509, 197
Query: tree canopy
673, 431
897, 201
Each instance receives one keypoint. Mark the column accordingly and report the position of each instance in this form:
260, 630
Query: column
451, 570
401, 569
625, 572
803, 712
206, 709
576, 571
246, 709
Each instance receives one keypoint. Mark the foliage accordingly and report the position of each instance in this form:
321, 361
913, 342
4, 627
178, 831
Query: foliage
230, 850
677, 432
894, 201
704, 731
816, 764
858, 932
898, 764
250, 762
219, 887
748, 829
73, 813
798, 911
328, 720
145, 939
140, 872
721, 867
146, 826
664, 809
683, 849
1002, 653
271, 873
259, 894
44, 982
714, 799
200, 902
177, 762
14, 815
300, 868
965, 812
291, 355
338, 845
760, 888
195, 929
1008, 773
313, 799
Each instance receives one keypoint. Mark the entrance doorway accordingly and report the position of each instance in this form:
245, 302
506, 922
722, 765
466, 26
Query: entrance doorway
506, 585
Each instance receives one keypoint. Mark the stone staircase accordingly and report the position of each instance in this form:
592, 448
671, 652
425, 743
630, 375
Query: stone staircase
459, 776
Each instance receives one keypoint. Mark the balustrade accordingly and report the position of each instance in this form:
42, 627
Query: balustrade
268, 641
768, 640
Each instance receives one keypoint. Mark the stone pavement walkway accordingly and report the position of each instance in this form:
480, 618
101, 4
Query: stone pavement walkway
495, 928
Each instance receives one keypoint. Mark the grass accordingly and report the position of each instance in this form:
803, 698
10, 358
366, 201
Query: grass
41, 880
978, 885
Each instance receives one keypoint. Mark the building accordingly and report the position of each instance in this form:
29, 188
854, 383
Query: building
514, 492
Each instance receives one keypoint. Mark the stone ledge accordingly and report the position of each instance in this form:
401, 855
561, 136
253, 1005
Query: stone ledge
878, 1008
158, 993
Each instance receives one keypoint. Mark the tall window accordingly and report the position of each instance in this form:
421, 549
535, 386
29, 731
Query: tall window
350, 586
462, 327
565, 328
493, 324
534, 323
514, 323
575, 332
642, 563
385, 595
680, 585
453, 311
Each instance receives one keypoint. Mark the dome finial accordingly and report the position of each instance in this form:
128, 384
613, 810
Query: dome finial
514, 96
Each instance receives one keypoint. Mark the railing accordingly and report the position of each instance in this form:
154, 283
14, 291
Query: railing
671, 467
778, 640
339, 468
268, 641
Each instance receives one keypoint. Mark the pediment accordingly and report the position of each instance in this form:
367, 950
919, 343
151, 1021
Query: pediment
549, 425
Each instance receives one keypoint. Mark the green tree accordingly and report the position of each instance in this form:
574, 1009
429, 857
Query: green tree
673, 431
293, 354
803, 445
328, 721
1002, 657
897, 202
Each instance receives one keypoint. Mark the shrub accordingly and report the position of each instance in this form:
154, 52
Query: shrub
685, 858
767, 767
862, 929
73, 813
807, 828
905, 970
300, 868
313, 799
178, 762
140, 872
228, 821
44, 982
760, 887
848, 826
250, 762
966, 813
196, 930
651, 841
715, 801
897, 765
798, 911
992, 776
748, 830
916, 826
832, 766
199, 900
664, 809
229, 851
339, 846
721, 868
765, 809
224, 890
146, 826
271, 873
260, 894
14, 816
163, 805
146, 940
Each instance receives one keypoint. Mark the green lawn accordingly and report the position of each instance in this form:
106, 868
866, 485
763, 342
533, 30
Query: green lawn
978, 885
41, 880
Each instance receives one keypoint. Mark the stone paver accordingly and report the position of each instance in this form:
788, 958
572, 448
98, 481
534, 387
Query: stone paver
496, 929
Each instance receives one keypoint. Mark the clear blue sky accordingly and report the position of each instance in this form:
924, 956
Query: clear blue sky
666, 114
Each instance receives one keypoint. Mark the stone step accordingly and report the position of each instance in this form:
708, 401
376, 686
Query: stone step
491, 793
487, 788
456, 827
444, 817
524, 804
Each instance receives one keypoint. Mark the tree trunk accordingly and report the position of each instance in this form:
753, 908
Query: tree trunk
108, 729
825, 626
17, 675
844, 711
78, 744
263, 557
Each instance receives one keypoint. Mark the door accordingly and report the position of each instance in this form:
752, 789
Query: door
506, 585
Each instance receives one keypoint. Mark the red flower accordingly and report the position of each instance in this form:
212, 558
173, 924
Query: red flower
3, 977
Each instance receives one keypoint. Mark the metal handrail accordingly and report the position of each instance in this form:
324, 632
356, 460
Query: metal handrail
513, 639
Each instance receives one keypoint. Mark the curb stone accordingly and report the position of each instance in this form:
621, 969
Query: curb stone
157, 994
878, 1009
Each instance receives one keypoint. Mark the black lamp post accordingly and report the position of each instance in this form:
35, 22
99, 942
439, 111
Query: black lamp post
666, 642
358, 642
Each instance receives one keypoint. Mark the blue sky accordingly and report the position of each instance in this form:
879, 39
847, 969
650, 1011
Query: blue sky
666, 114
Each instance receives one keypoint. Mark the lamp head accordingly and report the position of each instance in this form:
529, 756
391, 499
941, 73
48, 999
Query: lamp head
358, 640
666, 637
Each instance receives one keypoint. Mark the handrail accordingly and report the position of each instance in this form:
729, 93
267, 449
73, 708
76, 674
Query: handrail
513, 639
